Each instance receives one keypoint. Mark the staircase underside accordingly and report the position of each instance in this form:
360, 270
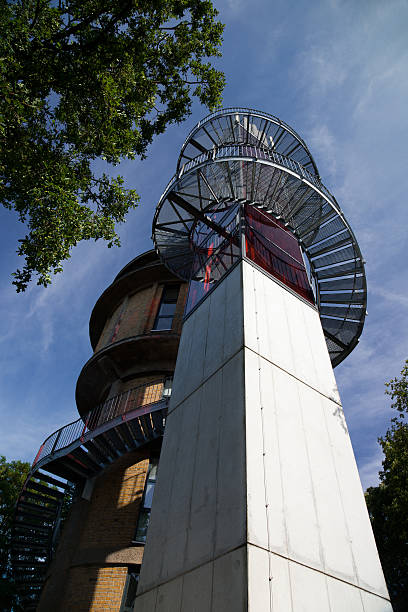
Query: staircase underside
52, 481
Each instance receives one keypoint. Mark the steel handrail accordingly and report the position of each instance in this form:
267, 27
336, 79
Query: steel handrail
245, 111
103, 413
255, 153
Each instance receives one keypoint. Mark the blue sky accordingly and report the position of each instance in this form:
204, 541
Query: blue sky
337, 72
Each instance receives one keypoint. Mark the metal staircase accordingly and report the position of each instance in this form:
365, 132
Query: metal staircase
64, 462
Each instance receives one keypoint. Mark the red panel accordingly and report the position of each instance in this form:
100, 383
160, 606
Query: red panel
275, 249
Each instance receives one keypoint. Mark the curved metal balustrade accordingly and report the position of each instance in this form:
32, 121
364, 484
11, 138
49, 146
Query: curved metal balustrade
247, 126
255, 153
209, 185
67, 458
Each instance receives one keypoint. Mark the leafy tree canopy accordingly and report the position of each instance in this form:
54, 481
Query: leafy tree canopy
12, 477
88, 79
388, 503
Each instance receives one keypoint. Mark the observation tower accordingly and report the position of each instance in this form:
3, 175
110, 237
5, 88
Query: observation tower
258, 504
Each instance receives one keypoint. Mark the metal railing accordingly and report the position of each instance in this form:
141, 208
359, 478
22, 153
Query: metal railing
250, 151
137, 397
246, 111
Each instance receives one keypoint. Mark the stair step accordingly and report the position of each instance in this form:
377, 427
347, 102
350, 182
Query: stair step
96, 452
137, 432
40, 510
29, 564
59, 469
85, 458
146, 424
20, 536
29, 582
115, 440
106, 447
28, 573
23, 548
48, 491
32, 550
51, 480
75, 465
29, 527
32, 563
110, 444
28, 589
126, 434
27, 554
45, 501
24, 516
158, 422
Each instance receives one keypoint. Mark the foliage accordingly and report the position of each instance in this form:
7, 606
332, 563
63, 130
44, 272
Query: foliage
388, 503
88, 79
12, 477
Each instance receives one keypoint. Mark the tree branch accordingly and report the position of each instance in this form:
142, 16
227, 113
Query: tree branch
176, 26
36, 14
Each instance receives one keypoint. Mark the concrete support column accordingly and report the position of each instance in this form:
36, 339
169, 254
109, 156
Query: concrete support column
258, 504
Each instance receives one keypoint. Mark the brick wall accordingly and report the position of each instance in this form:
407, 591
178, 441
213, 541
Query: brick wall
94, 589
136, 314
109, 327
114, 506
95, 581
128, 318
137, 381
178, 316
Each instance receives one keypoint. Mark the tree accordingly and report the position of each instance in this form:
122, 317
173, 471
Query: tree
88, 79
388, 503
12, 477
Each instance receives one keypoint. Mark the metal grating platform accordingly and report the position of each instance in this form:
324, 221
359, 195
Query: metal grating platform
268, 166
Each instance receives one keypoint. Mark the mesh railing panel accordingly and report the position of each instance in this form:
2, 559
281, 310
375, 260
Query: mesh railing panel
142, 395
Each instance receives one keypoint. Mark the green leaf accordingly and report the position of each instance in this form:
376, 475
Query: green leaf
91, 80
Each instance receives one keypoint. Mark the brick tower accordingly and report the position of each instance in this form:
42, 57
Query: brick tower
97, 475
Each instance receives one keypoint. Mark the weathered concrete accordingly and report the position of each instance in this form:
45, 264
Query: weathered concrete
258, 504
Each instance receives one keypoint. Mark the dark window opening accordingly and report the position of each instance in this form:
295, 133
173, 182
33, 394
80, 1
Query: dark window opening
167, 308
130, 589
146, 505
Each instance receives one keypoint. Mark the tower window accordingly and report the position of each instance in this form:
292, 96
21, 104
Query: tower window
167, 308
146, 506
129, 592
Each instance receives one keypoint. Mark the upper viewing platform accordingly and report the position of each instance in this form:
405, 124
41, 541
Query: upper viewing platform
247, 127
247, 186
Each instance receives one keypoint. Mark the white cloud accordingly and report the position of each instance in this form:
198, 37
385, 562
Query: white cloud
322, 142
369, 469
396, 298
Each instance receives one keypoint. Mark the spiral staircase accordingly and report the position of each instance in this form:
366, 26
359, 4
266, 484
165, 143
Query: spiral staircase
65, 461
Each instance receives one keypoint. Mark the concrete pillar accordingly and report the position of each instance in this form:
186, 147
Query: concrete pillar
258, 504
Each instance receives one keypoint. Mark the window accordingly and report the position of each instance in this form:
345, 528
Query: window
168, 384
167, 308
146, 506
129, 592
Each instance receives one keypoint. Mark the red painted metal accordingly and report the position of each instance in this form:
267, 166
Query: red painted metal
38, 454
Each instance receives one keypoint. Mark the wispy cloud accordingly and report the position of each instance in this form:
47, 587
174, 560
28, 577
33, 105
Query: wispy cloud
322, 141
369, 470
